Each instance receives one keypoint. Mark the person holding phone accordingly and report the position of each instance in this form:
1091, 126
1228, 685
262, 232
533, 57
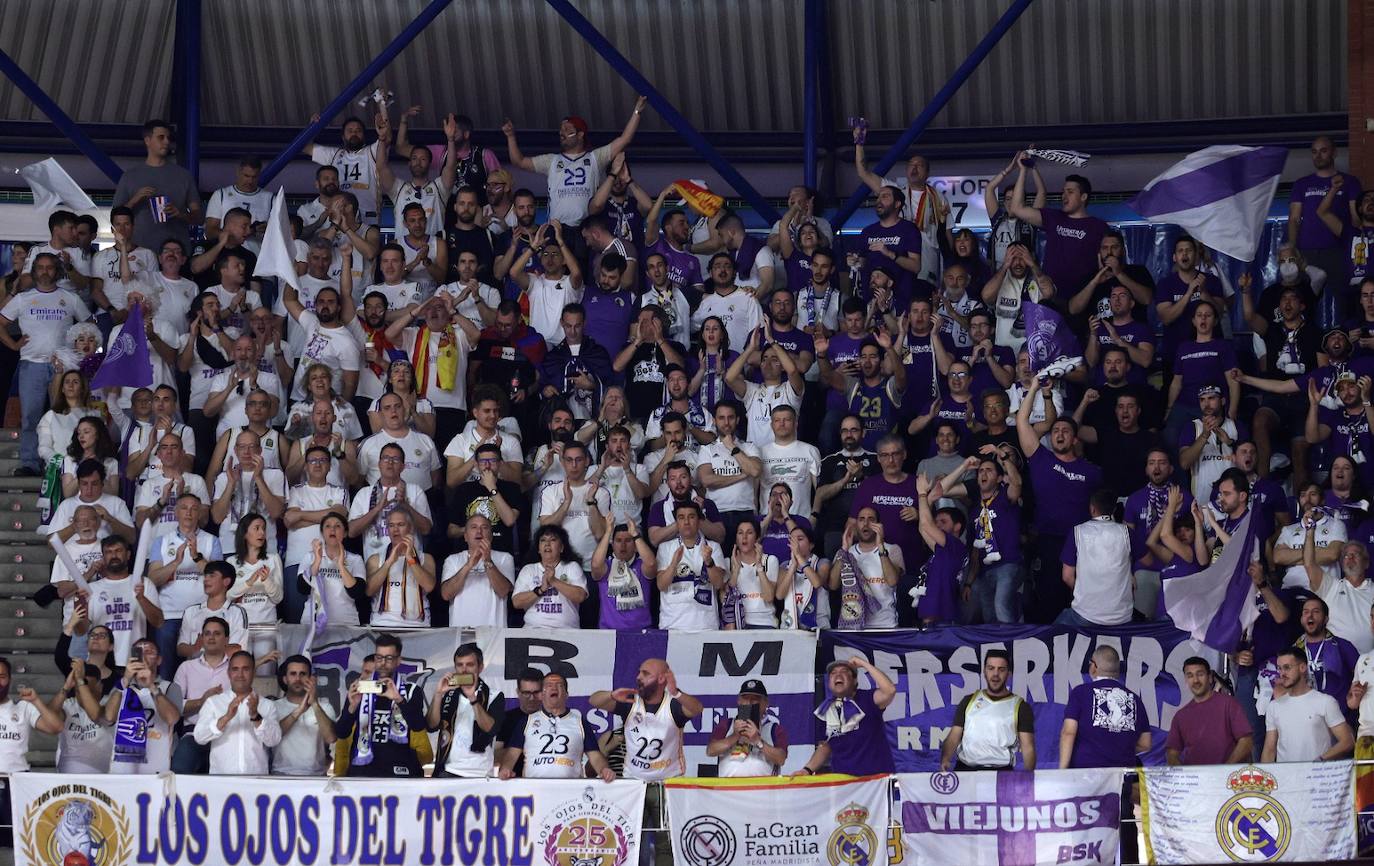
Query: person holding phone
750, 744
379, 716
467, 714
144, 694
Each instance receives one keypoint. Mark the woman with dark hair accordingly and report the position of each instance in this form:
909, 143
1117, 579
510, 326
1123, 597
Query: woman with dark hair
90, 440
56, 428
752, 584
258, 582
1345, 495
400, 380
801, 587
333, 577
551, 587
709, 365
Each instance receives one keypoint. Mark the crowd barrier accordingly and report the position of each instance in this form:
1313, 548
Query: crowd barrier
1288, 812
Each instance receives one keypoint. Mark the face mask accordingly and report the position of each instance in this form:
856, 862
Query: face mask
1288, 270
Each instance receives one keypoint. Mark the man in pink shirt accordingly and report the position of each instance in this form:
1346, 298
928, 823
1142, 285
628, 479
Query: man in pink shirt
1210, 729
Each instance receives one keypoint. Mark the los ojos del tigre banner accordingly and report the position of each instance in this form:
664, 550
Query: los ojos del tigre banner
815, 821
708, 665
1249, 814
935, 669
144, 821
1011, 818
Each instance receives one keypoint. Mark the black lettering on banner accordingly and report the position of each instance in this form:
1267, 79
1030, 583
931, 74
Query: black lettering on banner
764, 659
553, 656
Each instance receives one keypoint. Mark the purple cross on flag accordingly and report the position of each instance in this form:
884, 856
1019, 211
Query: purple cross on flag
127, 363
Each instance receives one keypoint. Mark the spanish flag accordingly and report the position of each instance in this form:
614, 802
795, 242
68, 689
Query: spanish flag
702, 200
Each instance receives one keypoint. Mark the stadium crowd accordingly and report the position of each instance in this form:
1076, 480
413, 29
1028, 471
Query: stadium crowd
637, 414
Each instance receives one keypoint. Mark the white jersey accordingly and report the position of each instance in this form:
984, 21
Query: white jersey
739, 311
336, 348
759, 402
420, 274
186, 586
307, 498
689, 603
357, 173
428, 195
258, 203
1214, 460
17, 719
547, 298
149, 491
554, 745
105, 267
797, 464
1329, 530
990, 731
653, 742
745, 759
338, 604
572, 182
490, 295
85, 744
476, 603
552, 609
421, 457
44, 318
882, 597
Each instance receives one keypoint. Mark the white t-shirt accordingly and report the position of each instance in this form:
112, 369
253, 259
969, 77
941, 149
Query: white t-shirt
1350, 606
883, 611
81, 263
572, 182
577, 520
394, 605
85, 745
739, 310
257, 598
193, 620
735, 497
258, 203
490, 295
398, 296
186, 586
66, 511
338, 604
1304, 724
464, 445
161, 737
302, 751
201, 373
429, 195
139, 440
1364, 673
177, 295
797, 464
234, 412
375, 538
151, 489
1292, 536
421, 458
759, 402
689, 604
553, 609
758, 612
105, 266
652, 460
336, 348
17, 719
236, 318
476, 604
307, 498
114, 605
547, 298
624, 503
82, 554
251, 500
44, 318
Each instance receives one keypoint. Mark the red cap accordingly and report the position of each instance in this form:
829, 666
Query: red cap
577, 122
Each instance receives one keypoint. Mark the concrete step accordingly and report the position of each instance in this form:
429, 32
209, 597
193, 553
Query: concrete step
33, 549
26, 626
21, 536
20, 485
9, 463
17, 518
9, 448
22, 578
33, 665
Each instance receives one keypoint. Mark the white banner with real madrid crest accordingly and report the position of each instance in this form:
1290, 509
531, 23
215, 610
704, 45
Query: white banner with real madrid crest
828, 820
1268, 813
72, 820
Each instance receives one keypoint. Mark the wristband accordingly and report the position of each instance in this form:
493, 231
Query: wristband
808, 771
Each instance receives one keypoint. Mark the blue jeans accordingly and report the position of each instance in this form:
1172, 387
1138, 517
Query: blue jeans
34, 378
997, 589
1247, 681
165, 636
292, 606
1069, 617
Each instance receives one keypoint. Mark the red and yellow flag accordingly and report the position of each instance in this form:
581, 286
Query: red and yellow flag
702, 200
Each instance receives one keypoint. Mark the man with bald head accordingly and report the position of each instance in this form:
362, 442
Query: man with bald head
247, 486
1319, 245
1105, 724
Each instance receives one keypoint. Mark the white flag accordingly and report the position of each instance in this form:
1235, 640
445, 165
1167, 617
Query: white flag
52, 186
277, 258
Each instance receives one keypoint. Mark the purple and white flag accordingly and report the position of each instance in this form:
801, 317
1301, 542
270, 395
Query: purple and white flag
1012, 817
1217, 605
127, 363
1053, 348
1219, 195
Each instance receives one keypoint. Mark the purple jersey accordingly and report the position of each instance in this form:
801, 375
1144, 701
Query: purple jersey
904, 239
798, 269
923, 382
1168, 291
684, 268
876, 410
1070, 249
1110, 720
777, 540
982, 371
621, 607
1350, 436
1199, 364
608, 317
1062, 489
1144, 509
1313, 234
888, 499
1132, 333
843, 349
944, 577
863, 751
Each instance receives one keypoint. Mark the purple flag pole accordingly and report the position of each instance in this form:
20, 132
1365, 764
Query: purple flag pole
126, 364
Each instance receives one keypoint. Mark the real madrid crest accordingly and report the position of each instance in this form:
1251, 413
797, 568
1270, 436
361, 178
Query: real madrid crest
1252, 825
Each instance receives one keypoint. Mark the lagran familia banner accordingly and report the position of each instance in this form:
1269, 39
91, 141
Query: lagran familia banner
149, 821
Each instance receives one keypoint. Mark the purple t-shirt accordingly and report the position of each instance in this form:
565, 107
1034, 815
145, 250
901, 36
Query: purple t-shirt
1168, 291
944, 579
904, 239
684, 268
798, 269
633, 619
1309, 192
982, 373
1178, 567
843, 348
1062, 489
1070, 249
1201, 364
1110, 719
1141, 521
794, 340
1350, 435
1207, 732
923, 384
863, 751
608, 317
888, 499
661, 513
777, 541
1132, 334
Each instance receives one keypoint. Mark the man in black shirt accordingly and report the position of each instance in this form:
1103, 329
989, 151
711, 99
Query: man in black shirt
529, 692
464, 235
383, 721
840, 476
1099, 412
1121, 446
499, 501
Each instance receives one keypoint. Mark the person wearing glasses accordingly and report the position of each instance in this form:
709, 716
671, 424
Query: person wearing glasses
379, 715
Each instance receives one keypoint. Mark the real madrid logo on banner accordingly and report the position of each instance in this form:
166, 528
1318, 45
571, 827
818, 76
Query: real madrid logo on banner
1252, 825
588, 831
853, 841
75, 825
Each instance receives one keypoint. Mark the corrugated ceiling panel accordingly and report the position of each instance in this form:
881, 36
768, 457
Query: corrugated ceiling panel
101, 63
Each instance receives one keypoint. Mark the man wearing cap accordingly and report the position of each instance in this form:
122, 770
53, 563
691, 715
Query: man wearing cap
1205, 446
1346, 426
855, 740
574, 172
750, 744
990, 724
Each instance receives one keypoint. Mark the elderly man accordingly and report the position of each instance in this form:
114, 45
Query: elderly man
1349, 598
750, 744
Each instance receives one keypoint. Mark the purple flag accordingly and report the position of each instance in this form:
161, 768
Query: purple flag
1052, 347
126, 363
1217, 605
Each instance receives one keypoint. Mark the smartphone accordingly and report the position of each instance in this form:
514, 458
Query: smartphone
136, 653
369, 687
457, 680
749, 712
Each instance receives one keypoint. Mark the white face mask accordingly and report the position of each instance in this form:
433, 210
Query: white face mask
1288, 270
